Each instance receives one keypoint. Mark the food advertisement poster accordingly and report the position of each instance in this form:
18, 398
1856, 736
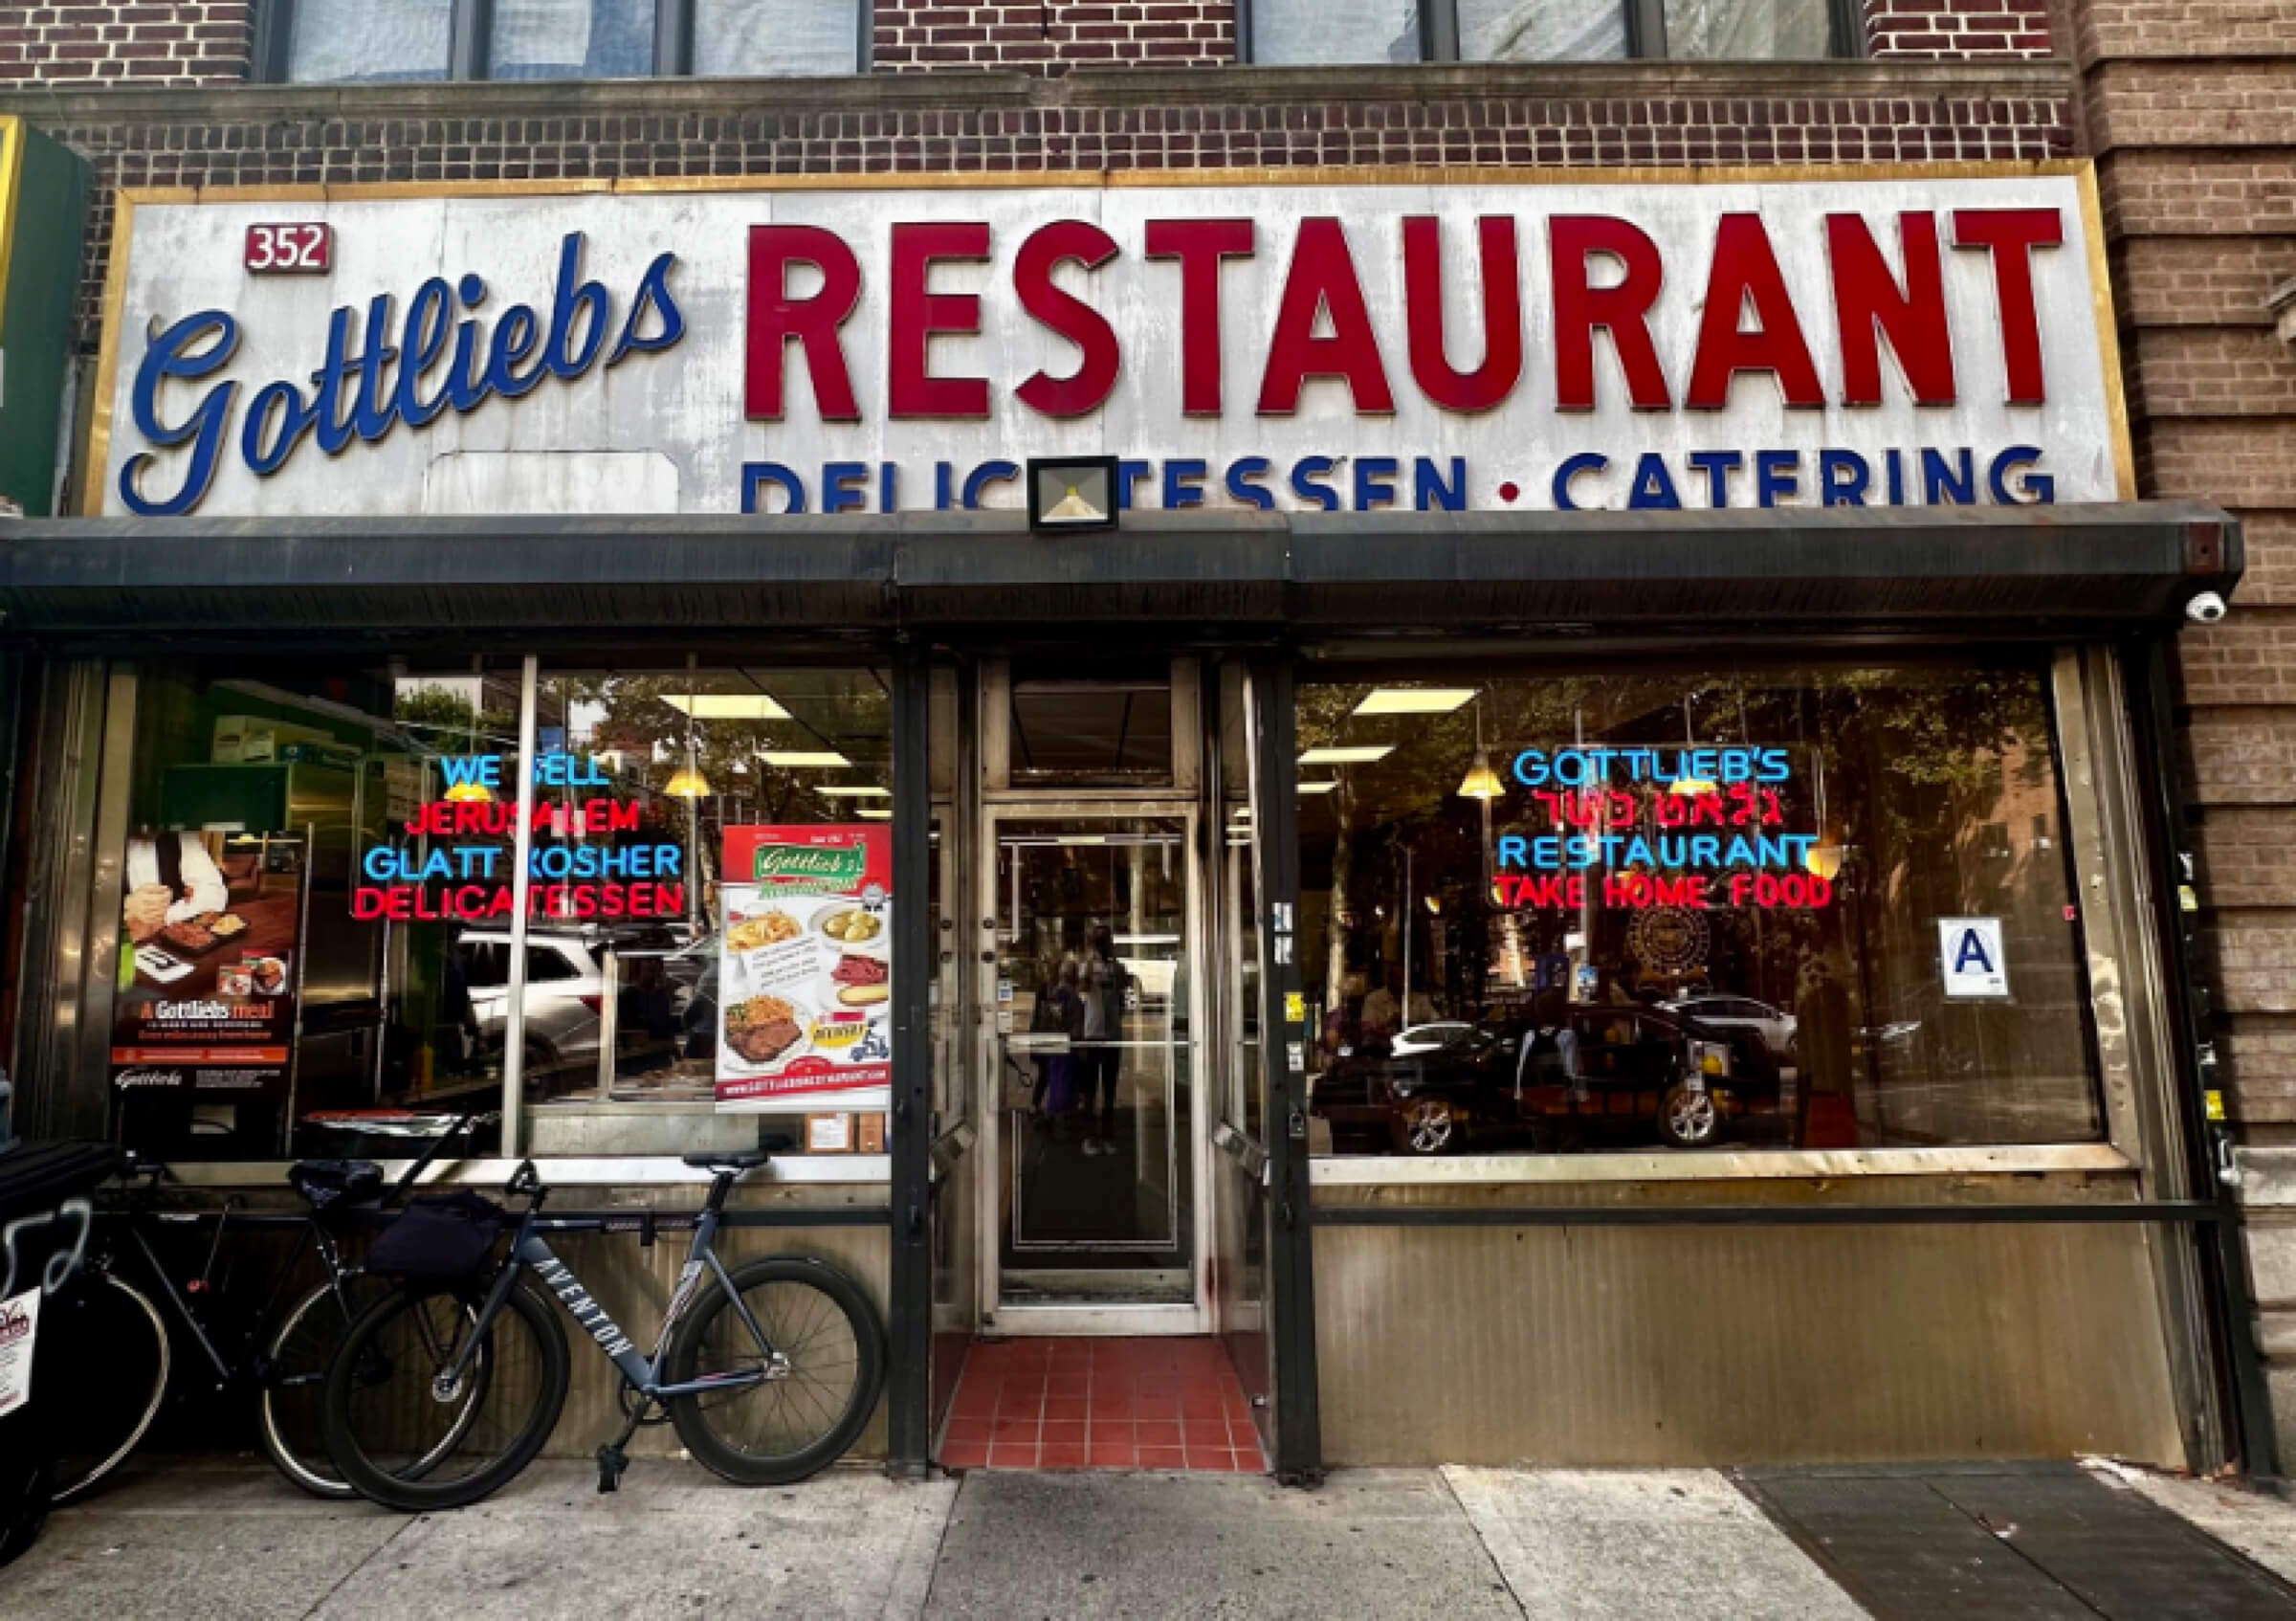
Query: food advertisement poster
804, 975
210, 927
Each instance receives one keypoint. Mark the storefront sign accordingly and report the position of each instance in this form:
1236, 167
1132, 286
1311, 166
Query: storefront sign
209, 948
1904, 340
804, 972
1970, 959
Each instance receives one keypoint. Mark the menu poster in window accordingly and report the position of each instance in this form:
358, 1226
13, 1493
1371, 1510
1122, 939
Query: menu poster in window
209, 936
804, 970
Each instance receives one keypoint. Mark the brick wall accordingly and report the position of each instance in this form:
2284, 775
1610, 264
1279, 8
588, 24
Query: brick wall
1964, 29
2190, 106
1052, 36
80, 41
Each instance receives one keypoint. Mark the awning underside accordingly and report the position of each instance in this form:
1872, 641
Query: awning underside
2028, 566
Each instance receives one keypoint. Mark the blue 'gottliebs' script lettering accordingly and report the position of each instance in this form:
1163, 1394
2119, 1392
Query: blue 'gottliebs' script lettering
356, 394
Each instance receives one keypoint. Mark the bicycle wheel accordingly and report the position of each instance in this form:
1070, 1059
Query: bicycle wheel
113, 1380
801, 1420
288, 1411
400, 1439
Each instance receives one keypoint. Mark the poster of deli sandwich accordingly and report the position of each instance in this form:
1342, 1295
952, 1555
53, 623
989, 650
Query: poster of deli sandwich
805, 971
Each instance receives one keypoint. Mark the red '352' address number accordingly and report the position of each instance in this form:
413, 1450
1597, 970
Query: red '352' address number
289, 249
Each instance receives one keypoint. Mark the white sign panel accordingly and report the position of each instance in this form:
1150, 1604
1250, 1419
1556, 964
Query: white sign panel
1909, 341
1970, 957
20, 1328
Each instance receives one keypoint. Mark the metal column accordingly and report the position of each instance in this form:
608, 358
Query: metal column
1291, 1235
909, 1439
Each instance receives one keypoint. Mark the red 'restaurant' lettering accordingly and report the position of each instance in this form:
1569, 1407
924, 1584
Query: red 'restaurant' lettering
2010, 235
1622, 308
775, 318
1200, 245
1087, 387
1867, 300
1323, 281
1745, 272
1502, 366
918, 314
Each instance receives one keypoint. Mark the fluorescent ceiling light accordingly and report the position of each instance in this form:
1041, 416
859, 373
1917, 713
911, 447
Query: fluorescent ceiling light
1414, 701
1317, 787
853, 791
804, 759
726, 706
1356, 754
1144, 939
871, 814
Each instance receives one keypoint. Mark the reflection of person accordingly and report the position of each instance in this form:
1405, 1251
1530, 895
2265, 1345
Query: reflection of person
1821, 1040
171, 879
1106, 978
1058, 1012
1387, 1010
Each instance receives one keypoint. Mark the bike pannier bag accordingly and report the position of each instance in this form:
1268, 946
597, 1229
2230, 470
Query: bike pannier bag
438, 1240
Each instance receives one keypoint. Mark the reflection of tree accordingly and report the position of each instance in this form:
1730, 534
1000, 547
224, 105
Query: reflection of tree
441, 719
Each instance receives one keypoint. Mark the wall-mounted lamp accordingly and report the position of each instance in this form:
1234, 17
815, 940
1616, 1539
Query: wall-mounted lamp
1073, 493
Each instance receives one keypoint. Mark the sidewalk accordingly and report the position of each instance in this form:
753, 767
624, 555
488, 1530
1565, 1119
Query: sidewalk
229, 1540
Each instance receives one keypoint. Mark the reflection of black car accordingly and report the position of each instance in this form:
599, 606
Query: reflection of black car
1604, 1069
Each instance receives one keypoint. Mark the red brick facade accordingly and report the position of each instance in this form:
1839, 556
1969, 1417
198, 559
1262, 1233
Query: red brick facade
83, 41
1963, 30
921, 35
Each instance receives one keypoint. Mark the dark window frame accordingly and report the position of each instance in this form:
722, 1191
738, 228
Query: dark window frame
1645, 30
469, 47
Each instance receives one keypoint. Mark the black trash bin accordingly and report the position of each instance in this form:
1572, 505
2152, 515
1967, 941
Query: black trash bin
46, 1222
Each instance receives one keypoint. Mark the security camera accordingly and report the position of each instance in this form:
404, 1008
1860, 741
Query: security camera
2206, 608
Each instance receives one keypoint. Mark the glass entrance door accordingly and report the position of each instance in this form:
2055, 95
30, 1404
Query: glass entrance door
1094, 1058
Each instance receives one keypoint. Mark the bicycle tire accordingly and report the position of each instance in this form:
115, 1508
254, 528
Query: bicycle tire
798, 1322
295, 1443
107, 1323
363, 1363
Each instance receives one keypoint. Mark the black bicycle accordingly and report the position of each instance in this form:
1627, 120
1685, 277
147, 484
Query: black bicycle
769, 1370
124, 1356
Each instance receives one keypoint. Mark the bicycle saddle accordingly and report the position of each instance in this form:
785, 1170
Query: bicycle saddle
749, 1161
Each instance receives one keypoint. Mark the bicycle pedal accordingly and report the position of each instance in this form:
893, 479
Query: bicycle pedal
611, 1462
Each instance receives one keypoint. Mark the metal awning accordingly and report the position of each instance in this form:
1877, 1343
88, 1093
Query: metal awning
2033, 567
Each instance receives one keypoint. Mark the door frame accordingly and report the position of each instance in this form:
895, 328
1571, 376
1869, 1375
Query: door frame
1194, 1123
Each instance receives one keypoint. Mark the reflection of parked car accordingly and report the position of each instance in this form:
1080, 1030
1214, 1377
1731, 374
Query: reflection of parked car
1603, 1068
564, 990
1774, 1024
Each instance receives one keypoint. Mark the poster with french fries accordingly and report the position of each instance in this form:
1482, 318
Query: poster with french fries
804, 972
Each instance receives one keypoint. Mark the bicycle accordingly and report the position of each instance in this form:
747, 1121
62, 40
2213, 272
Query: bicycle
769, 1370
124, 1342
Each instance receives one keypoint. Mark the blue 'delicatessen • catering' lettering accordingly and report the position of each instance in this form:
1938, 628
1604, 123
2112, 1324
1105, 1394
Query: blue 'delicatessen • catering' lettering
354, 396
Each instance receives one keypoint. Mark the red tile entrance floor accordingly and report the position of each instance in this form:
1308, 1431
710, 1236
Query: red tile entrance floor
1100, 1404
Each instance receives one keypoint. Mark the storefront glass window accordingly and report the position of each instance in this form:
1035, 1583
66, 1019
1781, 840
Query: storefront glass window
269, 1002
775, 38
646, 775
1759, 906
318, 913
1749, 30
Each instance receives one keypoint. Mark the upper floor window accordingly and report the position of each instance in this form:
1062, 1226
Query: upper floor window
355, 41
1311, 33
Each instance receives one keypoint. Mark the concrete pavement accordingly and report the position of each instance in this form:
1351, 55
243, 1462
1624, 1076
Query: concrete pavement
229, 1540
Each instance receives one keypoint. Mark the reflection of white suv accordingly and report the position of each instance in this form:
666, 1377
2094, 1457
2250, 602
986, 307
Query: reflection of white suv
564, 990
1775, 1026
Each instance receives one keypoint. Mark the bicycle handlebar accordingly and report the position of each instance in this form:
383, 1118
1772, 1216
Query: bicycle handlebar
413, 1172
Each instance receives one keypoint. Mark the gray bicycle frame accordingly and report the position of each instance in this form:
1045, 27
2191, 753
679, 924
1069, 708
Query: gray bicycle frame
528, 1252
